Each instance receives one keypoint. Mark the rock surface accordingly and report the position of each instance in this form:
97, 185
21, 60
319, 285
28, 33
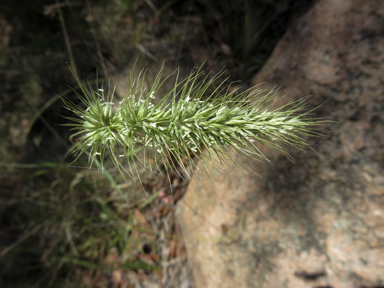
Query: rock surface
319, 222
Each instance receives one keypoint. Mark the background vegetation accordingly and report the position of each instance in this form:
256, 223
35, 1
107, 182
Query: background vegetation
69, 226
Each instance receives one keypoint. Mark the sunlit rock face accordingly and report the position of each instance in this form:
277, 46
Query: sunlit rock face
318, 222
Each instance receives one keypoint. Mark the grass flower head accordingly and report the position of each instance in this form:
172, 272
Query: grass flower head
199, 118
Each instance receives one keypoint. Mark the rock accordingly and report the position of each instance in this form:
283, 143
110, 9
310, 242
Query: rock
318, 223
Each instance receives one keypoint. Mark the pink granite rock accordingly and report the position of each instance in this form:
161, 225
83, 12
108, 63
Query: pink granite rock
319, 222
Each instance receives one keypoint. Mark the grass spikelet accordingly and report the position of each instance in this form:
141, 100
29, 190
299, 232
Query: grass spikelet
200, 118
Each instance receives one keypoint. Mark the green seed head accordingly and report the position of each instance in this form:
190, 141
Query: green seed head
199, 118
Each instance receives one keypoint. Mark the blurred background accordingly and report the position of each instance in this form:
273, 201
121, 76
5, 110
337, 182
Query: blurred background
62, 224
